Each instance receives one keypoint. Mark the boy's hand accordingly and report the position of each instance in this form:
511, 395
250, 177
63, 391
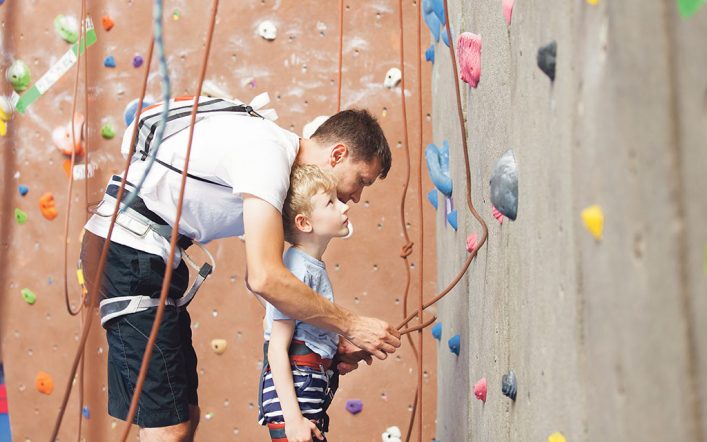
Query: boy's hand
348, 357
301, 429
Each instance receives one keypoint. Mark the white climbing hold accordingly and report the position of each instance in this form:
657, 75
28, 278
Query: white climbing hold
311, 127
392, 434
392, 78
267, 30
211, 89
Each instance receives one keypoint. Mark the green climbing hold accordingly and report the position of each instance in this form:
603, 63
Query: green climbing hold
29, 296
18, 75
107, 131
688, 8
67, 28
20, 216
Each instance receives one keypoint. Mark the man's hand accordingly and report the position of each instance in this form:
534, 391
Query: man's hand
374, 336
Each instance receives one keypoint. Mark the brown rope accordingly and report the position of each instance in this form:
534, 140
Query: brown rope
93, 300
175, 233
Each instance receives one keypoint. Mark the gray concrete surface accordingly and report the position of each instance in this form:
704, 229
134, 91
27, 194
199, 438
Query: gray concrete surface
608, 338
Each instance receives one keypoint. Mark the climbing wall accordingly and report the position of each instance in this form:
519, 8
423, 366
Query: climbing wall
299, 69
599, 313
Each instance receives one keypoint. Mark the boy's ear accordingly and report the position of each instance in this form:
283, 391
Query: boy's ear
338, 154
302, 223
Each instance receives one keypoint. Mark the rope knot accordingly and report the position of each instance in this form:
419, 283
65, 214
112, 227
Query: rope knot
406, 250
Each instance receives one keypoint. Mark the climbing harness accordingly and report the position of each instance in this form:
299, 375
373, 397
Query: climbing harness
139, 220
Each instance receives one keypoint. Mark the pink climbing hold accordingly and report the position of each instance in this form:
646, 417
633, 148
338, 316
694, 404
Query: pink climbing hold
496, 214
469, 53
480, 389
471, 243
507, 6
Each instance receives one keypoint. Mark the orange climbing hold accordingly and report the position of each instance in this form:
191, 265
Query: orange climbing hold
61, 136
44, 383
107, 22
46, 205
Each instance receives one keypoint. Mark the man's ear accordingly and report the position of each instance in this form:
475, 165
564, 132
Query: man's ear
338, 154
302, 223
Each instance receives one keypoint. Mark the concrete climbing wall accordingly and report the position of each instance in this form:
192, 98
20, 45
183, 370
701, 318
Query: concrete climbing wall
607, 337
299, 71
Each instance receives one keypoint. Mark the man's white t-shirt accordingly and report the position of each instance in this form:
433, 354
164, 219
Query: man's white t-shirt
248, 154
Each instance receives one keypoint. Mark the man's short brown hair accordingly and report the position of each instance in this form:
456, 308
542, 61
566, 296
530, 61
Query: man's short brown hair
361, 133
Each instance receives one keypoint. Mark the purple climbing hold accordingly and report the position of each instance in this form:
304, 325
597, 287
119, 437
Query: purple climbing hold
137, 61
23, 189
109, 61
354, 406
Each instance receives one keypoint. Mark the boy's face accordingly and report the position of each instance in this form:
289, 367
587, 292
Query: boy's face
328, 217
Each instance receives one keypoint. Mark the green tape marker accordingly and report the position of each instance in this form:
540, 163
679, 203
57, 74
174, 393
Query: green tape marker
56, 71
688, 8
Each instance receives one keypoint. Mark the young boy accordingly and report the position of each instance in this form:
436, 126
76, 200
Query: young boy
298, 380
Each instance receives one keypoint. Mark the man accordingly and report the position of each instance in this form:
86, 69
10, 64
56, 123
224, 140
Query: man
238, 179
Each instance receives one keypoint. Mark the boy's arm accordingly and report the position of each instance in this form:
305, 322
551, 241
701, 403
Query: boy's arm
268, 277
297, 427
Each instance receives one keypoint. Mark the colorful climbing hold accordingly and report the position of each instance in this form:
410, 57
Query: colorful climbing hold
354, 406
176, 14
471, 242
507, 7
108, 131
67, 27
137, 61
452, 219
392, 78
267, 30
593, 218
7, 110
20, 216
496, 214
556, 437
85, 412
547, 56
431, 19
109, 62
688, 8
63, 140
392, 434
504, 185
432, 198
218, 346
44, 383
593, 2
438, 167
19, 75
430, 54
47, 207
22, 189
107, 22
480, 389
509, 385
445, 37
437, 331
469, 53
28, 295
454, 344
131, 109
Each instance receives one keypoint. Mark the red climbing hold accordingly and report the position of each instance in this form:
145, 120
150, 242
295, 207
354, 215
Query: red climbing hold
107, 22
469, 53
496, 214
471, 242
480, 389
507, 6
46, 205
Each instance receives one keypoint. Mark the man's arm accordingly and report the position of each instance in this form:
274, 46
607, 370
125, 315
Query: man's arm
268, 277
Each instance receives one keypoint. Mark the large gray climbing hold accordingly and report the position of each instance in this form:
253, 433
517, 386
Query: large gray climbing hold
509, 385
546, 59
504, 185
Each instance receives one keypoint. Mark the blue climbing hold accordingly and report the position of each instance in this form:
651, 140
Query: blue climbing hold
131, 110
438, 167
437, 331
109, 62
455, 344
452, 219
445, 39
85, 412
23, 189
432, 198
430, 54
431, 19
438, 9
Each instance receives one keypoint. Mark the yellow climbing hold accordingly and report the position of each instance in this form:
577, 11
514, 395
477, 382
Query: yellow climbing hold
79, 276
593, 2
593, 218
218, 346
556, 437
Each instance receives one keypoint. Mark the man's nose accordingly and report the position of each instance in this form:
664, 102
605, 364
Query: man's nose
356, 197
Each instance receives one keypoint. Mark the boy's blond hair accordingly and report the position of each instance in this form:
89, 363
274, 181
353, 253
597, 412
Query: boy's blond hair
305, 181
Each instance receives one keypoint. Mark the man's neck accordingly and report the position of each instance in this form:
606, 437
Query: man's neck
312, 245
309, 153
